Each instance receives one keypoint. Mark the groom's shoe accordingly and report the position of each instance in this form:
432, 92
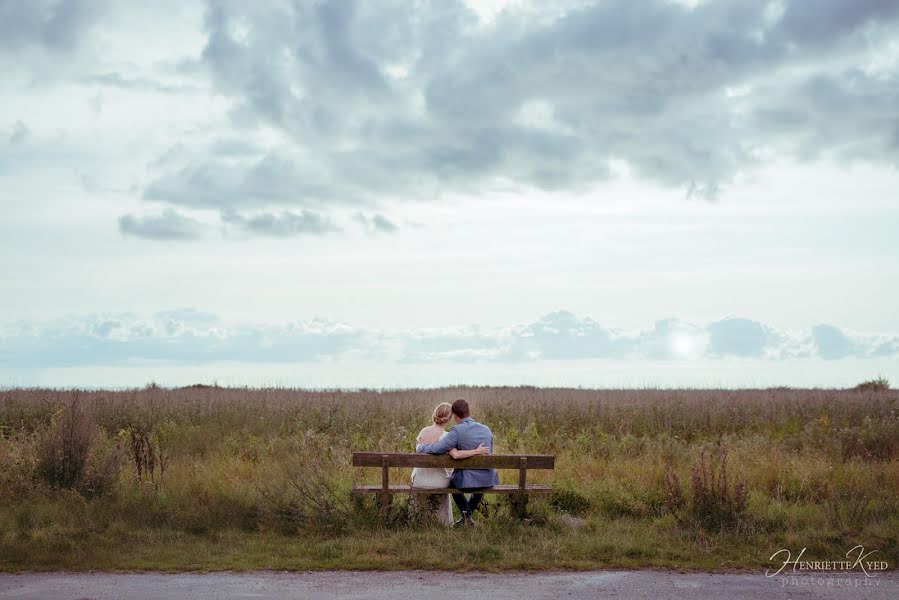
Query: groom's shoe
463, 520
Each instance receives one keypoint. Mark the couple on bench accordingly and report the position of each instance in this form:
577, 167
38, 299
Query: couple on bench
467, 438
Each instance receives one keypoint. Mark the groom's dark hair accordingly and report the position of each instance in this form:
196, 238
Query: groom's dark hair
460, 408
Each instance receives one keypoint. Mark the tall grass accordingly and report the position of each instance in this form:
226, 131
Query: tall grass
155, 463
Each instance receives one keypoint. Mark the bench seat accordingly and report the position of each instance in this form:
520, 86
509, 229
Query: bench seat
531, 488
519, 462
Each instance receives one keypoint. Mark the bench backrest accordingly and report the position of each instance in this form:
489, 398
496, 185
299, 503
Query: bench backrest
487, 461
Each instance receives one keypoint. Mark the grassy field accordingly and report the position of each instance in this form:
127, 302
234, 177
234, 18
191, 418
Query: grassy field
207, 478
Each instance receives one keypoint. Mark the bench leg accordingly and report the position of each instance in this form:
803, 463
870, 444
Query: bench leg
425, 506
520, 501
384, 502
384, 499
520, 506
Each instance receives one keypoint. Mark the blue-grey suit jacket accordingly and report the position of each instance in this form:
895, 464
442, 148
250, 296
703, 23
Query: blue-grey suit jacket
468, 434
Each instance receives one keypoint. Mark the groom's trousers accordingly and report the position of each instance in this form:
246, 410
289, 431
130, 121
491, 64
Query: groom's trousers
468, 506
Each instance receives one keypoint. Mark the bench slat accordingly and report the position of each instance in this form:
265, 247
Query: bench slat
531, 488
490, 461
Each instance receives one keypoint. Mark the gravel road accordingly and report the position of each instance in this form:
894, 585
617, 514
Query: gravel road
421, 585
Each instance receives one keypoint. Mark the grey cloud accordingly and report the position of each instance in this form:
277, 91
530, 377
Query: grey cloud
848, 113
128, 339
243, 182
283, 224
19, 134
54, 25
179, 318
234, 147
376, 223
884, 346
563, 335
189, 336
119, 81
463, 345
167, 226
831, 342
665, 338
832, 19
407, 100
42, 41
739, 337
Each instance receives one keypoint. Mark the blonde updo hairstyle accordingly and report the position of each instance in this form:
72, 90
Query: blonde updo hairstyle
442, 414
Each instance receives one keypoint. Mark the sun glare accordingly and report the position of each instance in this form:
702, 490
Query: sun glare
684, 345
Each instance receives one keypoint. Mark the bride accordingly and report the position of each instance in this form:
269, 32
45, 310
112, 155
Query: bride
436, 478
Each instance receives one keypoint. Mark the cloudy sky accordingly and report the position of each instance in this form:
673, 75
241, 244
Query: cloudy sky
404, 193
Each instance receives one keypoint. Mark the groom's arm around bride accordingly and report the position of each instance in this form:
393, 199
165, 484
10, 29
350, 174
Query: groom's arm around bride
466, 434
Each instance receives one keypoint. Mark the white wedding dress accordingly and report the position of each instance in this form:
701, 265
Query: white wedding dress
425, 478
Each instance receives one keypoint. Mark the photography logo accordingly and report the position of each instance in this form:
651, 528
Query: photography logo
858, 569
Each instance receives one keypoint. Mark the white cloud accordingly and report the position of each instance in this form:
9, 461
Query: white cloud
189, 336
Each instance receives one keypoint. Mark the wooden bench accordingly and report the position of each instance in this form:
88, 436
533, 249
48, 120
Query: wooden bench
519, 493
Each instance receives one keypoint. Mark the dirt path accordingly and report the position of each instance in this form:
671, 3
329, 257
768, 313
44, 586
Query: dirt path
420, 585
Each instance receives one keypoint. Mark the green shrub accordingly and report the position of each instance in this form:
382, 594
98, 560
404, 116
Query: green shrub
871, 440
566, 499
103, 465
64, 446
714, 502
305, 492
615, 501
873, 385
18, 464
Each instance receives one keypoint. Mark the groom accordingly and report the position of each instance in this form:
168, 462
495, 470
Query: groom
466, 434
